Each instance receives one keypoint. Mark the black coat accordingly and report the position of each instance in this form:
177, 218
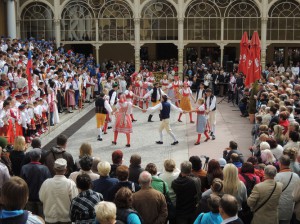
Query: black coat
134, 173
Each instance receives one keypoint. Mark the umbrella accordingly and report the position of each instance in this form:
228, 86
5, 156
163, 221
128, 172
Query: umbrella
254, 66
244, 49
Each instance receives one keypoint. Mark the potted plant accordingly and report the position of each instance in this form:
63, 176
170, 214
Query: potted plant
252, 103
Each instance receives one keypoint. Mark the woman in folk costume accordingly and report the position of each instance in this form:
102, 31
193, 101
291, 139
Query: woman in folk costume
164, 83
176, 85
129, 97
15, 116
201, 126
70, 95
31, 127
45, 108
123, 123
6, 129
185, 102
144, 91
137, 85
52, 101
151, 78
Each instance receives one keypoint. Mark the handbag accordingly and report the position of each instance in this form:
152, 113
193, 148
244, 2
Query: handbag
170, 206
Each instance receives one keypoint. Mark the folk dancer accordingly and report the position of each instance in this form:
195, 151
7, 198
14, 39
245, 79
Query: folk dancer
70, 95
185, 102
211, 107
113, 99
129, 97
200, 94
164, 83
144, 91
165, 108
137, 85
151, 78
201, 126
175, 85
102, 109
156, 94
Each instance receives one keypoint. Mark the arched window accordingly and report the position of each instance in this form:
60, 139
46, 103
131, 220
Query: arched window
159, 21
283, 22
37, 22
202, 21
116, 22
78, 22
241, 16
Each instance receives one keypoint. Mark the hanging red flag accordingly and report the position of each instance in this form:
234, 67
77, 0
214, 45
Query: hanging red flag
28, 71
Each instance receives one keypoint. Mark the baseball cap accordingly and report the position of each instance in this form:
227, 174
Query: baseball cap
60, 164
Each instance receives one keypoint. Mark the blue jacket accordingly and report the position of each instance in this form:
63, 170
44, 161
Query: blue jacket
103, 185
208, 218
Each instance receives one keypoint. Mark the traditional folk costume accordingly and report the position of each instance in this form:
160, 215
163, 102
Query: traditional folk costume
144, 91
38, 112
151, 79
54, 117
70, 97
201, 126
31, 127
16, 118
23, 122
7, 129
185, 102
137, 85
129, 97
107, 119
174, 89
123, 123
164, 84
211, 107
102, 109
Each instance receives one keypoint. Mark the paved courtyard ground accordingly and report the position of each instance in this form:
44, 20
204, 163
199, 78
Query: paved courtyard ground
230, 126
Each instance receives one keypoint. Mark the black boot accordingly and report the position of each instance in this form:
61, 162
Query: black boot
150, 117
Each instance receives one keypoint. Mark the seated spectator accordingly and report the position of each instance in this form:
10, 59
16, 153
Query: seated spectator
149, 203
157, 183
135, 168
233, 186
105, 182
105, 213
228, 209
235, 160
214, 170
233, 148
170, 174
122, 175
17, 155
117, 159
248, 177
84, 150
34, 173
222, 162
276, 149
4, 156
14, 196
82, 206
125, 213
86, 163
215, 189
197, 171
213, 216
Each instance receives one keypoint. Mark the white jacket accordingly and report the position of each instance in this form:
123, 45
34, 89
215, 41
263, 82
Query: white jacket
56, 195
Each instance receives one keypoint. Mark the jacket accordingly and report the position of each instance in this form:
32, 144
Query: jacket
103, 185
268, 213
134, 173
49, 157
151, 206
296, 197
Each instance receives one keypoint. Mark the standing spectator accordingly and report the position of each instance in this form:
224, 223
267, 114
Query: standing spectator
197, 171
186, 188
105, 182
214, 170
86, 163
228, 210
293, 141
276, 149
58, 152
34, 173
14, 196
4, 173
56, 194
84, 150
157, 183
105, 212
125, 213
155, 210
82, 207
17, 155
289, 180
117, 159
294, 164
264, 198
233, 185
135, 168
170, 174
296, 197
248, 177
233, 148
36, 145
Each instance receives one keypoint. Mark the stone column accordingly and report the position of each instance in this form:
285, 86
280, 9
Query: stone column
57, 32
180, 46
222, 45
264, 24
97, 29
11, 19
137, 44
97, 47
222, 54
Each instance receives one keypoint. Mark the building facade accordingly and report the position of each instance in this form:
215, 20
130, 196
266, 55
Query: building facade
151, 29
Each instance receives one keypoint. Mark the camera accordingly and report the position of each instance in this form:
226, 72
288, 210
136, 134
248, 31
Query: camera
205, 157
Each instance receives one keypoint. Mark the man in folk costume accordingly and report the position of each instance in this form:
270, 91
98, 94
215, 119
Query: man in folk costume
70, 95
23, 122
200, 94
89, 84
156, 94
76, 87
113, 98
102, 108
165, 108
185, 102
211, 107
129, 97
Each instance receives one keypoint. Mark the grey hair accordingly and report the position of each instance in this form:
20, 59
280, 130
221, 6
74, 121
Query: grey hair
270, 171
145, 178
186, 167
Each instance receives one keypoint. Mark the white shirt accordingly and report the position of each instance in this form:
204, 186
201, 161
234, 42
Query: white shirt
113, 98
200, 94
213, 103
158, 96
160, 107
230, 219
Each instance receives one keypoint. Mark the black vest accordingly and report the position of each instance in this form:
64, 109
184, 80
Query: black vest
123, 213
110, 95
165, 112
154, 95
210, 100
99, 106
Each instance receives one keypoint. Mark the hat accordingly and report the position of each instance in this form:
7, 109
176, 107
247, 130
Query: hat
117, 156
19, 96
21, 107
60, 164
115, 85
264, 145
222, 162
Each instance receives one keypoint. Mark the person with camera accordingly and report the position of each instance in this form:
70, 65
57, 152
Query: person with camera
233, 148
244, 103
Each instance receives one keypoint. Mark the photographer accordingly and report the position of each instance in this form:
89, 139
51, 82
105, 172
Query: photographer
244, 103
232, 149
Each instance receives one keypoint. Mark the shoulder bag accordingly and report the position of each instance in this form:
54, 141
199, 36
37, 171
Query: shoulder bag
267, 199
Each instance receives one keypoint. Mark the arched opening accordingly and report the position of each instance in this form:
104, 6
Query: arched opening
37, 22
116, 52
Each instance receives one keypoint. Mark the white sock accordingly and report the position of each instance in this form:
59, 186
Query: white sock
173, 136
161, 136
100, 132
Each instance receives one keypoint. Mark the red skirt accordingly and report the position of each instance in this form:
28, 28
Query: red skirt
32, 124
44, 117
19, 130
